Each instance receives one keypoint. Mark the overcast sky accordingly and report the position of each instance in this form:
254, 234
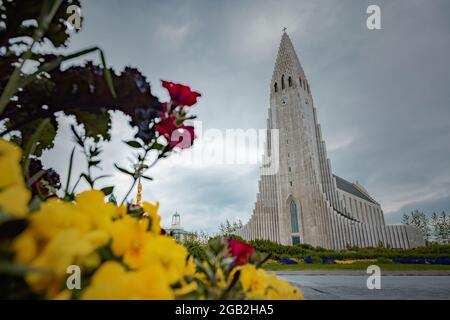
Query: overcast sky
382, 97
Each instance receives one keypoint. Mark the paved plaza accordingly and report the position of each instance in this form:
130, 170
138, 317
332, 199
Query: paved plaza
349, 284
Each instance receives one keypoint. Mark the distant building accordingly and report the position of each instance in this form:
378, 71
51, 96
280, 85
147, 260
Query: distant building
175, 230
303, 201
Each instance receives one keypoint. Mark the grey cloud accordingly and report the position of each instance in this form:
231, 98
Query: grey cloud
382, 96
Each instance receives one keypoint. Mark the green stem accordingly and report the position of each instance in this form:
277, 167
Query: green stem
76, 185
14, 81
44, 21
129, 191
69, 173
141, 163
31, 146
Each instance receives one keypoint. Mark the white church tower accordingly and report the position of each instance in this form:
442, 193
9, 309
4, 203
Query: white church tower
302, 201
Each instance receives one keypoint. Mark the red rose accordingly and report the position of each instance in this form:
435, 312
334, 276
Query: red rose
180, 94
166, 126
182, 137
164, 109
241, 251
177, 136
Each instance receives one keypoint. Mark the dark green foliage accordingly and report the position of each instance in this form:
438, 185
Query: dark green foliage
304, 250
87, 92
196, 250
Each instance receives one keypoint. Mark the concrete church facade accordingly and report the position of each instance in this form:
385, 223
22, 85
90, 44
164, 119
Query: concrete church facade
302, 201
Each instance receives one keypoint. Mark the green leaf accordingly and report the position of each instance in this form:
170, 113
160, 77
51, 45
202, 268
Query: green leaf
69, 173
87, 178
134, 144
96, 123
231, 285
35, 204
266, 258
107, 190
102, 177
93, 163
16, 269
78, 139
35, 177
107, 74
124, 170
112, 199
32, 143
157, 146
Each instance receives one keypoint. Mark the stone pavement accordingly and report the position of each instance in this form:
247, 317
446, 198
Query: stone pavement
351, 284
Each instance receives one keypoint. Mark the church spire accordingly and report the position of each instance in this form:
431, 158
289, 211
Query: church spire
287, 61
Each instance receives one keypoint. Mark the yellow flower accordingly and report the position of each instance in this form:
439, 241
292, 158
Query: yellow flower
55, 216
112, 282
190, 269
25, 246
128, 238
63, 295
252, 279
10, 169
65, 248
165, 251
279, 289
258, 284
14, 200
14, 196
190, 266
186, 288
151, 210
121, 211
91, 261
92, 203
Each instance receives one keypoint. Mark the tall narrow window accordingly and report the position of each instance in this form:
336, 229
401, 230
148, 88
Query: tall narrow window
301, 85
290, 82
282, 82
275, 87
308, 89
294, 218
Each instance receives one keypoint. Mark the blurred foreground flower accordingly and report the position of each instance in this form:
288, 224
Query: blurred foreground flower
14, 195
241, 251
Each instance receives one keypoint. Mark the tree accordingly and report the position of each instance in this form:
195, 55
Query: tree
405, 219
227, 228
435, 226
443, 227
419, 220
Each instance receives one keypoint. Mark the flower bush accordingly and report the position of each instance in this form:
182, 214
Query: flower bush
120, 249
59, 243
121, 255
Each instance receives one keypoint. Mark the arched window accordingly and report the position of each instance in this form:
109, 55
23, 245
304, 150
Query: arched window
294, 217
282, 82
290, 82
275, 87
300, 79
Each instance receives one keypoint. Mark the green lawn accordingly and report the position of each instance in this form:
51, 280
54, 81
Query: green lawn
355, 266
